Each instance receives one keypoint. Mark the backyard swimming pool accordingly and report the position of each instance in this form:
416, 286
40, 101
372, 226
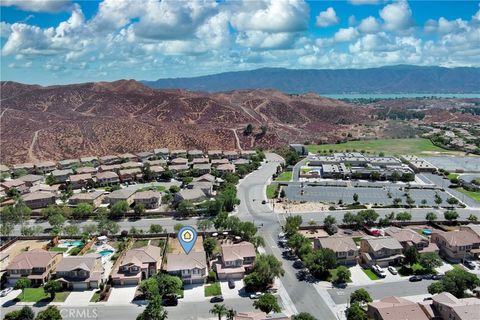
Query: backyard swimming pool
104, 253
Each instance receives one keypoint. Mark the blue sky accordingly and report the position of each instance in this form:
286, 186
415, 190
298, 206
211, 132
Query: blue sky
65, 41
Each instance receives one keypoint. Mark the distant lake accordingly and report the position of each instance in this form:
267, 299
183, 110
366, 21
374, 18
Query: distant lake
399, 95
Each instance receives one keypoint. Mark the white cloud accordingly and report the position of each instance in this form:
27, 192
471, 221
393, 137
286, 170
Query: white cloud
397, 16
327, 18
50, 6
345, 34
265, 40
445, 26
361, 2
271, 16
369, 25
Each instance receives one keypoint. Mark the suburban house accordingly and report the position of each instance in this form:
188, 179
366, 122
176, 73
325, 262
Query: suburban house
89, 160
61, 175
130, 174
206, 187
408, 237
179, 153
36, 265
195, 153
158, 170
383, 251
109, 159
456, 245
94, 198
395, 308
159, 162
149, 199
4, 169
194, 195
191, 268
109, 167
227, 167
44, 167
205, 178
472, 228
45, 187
144, 156
81, 180
214, 154
39, 199
178, 161
202, 168
163, 153
231, 155
247, 154
82, 170
32, 179
68, 163
107, 178
80, 272
200, 160
344, 247
17, 184
240, 162
128, 157
121, 195
216, 162
27, 167
178, 168
236, 259
131, 165
136, 265
448, 307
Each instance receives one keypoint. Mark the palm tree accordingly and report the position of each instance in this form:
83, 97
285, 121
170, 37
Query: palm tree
231, 314
220, 310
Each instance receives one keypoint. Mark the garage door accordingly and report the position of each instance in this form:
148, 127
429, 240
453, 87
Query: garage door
130, 282
80, 286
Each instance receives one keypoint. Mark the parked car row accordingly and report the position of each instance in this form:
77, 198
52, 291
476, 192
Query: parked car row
378, 271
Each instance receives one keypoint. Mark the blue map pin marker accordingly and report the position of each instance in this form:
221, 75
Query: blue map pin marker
187, 236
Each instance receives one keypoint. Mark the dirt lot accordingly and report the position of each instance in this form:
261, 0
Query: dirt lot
175, 247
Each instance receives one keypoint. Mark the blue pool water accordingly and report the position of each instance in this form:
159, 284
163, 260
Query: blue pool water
75, 243
104, 253
427, 231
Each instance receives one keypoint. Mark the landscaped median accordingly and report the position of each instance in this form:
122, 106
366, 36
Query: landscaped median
284, 176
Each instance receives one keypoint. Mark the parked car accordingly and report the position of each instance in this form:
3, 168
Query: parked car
281, 235
428, 276
392, 270
298, 264
264, 201
415, 279
170, 300
437, 276
379, 271
256, 295
6, 291
216, 299
469, 264
231, 284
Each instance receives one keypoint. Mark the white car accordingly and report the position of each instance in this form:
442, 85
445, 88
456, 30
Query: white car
256, 295
392, 270
6, 291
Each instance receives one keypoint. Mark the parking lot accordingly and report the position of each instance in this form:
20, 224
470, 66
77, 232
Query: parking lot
466, 164
381, 195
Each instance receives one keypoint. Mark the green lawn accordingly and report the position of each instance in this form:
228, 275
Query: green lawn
388, 146
453, 176
96, 296
370, 274
333, 276
475, 195
284, 176
57, 249
37, 294
271, 191
139, 243
357, 240
213, 290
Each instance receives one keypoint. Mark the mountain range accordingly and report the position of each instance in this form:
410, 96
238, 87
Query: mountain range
385, 80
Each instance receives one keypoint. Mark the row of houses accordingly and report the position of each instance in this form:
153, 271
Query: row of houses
134, 265
443, 306
43, 167
389, 249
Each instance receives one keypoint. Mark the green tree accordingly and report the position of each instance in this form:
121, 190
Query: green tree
56, 220
185, 208
355, 197
149, 287
411, 255
360, 296
52, 287
430, 260
265, 269
404, 216
303, 316
356, 312
329, 224
118, 209
231, 313
296, 241
174, 189
343, 274
177, 227
168, 284
248, 129
292, 224
139, 209
50, 179
431, 216
22, 284
319, 261
90, 229
51, 313
72, 230
13, 315
368, 216
109, 227
219, 310
209, 245
26, 313
204, 225
455, 281
397, 201
154, 310
267, 303
451, 215
156, 228
452, 201
438, 199
472, 218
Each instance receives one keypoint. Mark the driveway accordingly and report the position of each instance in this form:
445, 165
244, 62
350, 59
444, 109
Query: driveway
238, 291
79, 298
193, 292
359, 278
12, 295
444, 268
122, 295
